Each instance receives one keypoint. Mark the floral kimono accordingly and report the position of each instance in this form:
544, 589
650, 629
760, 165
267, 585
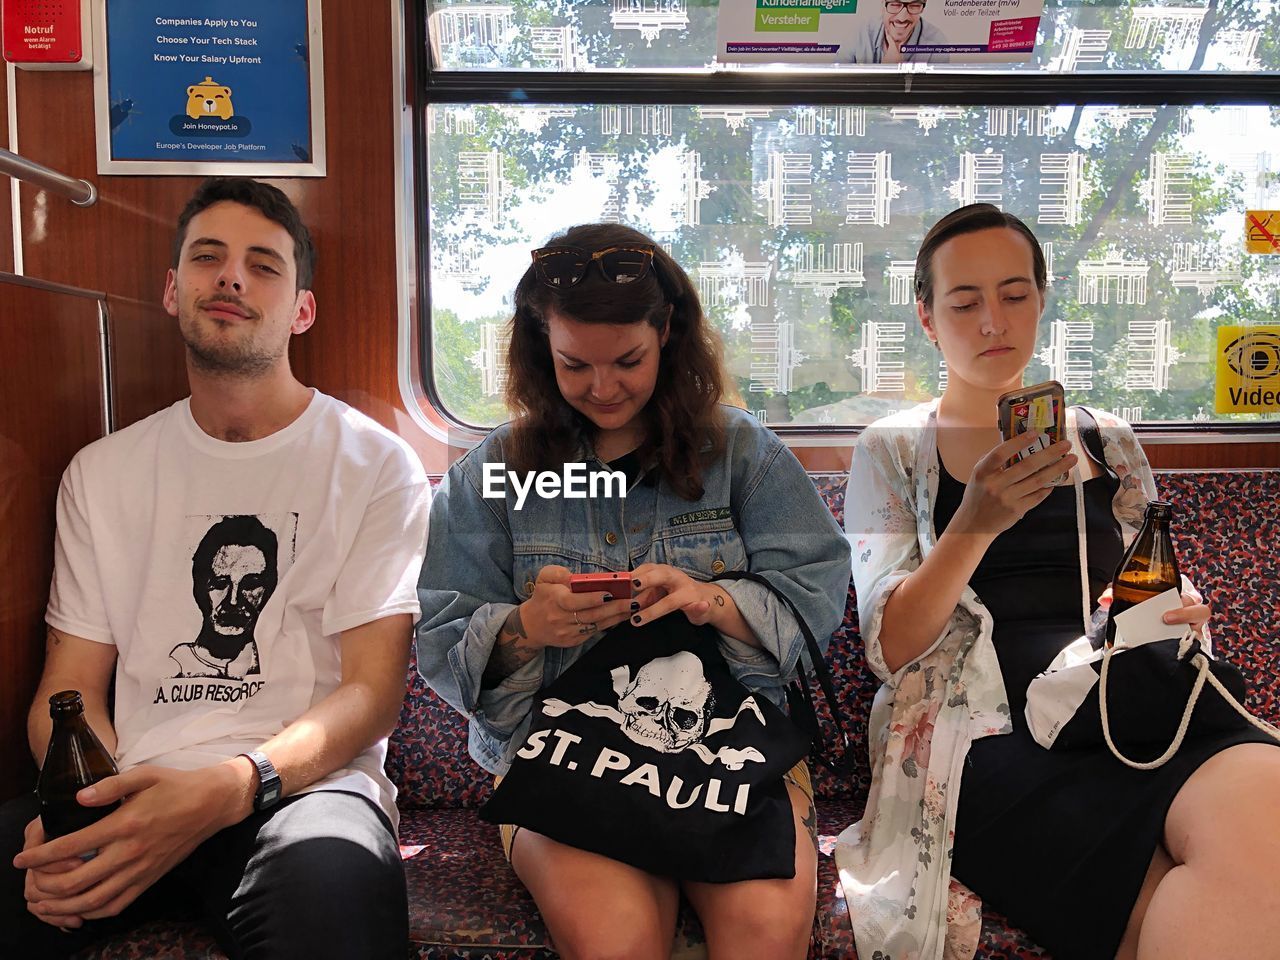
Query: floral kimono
895, 863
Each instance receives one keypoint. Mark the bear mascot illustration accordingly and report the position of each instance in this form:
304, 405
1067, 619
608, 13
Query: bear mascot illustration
209, 99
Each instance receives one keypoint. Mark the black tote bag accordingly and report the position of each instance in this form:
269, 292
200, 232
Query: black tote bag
648, 751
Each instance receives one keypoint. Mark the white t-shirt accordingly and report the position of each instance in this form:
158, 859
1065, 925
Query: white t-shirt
225, 573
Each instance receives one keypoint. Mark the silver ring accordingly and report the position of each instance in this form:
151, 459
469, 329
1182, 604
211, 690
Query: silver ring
575, 618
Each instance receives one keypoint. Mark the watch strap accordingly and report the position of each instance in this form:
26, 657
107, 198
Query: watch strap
268, 793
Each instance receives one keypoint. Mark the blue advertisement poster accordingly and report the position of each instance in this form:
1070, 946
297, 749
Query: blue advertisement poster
232, 83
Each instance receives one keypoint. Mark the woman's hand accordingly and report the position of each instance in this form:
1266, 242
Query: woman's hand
554, 616
998, 496
667, 589
1194, 611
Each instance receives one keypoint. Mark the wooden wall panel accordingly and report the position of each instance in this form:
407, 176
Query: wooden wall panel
122, 244
149, 368
50, 393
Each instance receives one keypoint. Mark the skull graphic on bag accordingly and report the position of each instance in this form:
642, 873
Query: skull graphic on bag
668, 704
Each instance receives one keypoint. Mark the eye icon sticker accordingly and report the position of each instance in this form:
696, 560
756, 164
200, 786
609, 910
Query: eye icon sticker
1253, 356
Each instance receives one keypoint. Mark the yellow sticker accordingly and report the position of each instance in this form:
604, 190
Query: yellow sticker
1040, 417
1262, 231
1248, 378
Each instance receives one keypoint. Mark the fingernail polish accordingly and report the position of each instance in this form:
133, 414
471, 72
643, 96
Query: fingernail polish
636, 619
635, 583
634, 606
608, 597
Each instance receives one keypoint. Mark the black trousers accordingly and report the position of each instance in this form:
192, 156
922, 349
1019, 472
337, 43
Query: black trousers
317, 876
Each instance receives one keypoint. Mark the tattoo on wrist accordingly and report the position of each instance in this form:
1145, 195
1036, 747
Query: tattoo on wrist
509, 652
719, 598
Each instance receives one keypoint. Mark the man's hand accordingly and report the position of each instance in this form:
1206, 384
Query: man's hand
164, 816
33, 836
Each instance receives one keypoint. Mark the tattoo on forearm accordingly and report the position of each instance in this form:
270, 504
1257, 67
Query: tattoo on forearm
510, 653
53, 636
719, 599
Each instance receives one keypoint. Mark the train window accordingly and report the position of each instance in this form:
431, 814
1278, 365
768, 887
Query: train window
1132, 143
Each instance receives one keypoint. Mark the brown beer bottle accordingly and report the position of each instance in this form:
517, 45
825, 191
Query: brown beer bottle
74, 759
1149, 566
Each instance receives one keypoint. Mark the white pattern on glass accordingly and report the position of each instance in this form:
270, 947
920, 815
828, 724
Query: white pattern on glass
1152, 28
926, 118
472, 25
1167, 190
981, 179
604, 167
458, 261
1081, 46
480, 185
649, 17
1150, 355
491, 358
1199, 267
785, 203
1069, 355
1098, 279
825, 273
693, 188
648, 119
534, 119
1066, 173
734, 117
901, 276
452, 121
728, 281
1027, 121
558, 48
872, 188
1239, 48
881, 343
831, 121
774, 357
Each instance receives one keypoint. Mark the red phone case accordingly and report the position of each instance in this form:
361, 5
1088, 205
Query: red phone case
617, 584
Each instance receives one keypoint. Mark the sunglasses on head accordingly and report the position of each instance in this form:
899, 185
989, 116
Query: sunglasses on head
564, 267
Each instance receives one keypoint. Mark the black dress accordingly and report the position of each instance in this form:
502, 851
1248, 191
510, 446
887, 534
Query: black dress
1058, 841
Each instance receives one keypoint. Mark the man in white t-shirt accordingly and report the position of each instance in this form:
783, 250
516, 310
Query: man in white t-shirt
243, 566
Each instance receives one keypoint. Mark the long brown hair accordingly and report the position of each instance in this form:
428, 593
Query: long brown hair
683, 426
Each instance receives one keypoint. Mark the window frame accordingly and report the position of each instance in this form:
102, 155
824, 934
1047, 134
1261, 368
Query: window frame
431, 86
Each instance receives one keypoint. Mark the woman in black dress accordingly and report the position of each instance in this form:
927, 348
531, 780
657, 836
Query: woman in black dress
1092, 858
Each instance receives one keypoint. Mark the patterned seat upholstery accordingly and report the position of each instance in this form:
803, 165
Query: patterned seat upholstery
465, 902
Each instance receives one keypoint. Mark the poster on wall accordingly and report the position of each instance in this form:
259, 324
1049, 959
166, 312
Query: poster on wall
210, 87
871, 32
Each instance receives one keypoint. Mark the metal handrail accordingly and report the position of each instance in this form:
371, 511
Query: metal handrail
80, 192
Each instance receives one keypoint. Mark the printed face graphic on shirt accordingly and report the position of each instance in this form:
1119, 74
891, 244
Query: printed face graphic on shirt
233, 574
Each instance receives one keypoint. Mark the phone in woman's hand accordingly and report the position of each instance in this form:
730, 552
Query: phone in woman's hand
617, 585
1034, 410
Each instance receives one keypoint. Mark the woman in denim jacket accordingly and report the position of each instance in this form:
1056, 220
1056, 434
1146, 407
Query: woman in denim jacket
612, 363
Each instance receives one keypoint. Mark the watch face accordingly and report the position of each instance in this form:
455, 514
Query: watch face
271, 794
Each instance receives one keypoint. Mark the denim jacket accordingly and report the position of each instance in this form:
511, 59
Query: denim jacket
759, 511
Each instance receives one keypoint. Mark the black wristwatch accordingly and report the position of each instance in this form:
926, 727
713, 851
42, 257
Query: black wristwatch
268, 794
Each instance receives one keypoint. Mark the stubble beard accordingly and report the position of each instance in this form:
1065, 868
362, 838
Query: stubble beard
242, 358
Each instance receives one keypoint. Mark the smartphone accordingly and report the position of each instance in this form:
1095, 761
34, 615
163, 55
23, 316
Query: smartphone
616, 584
1037, 409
